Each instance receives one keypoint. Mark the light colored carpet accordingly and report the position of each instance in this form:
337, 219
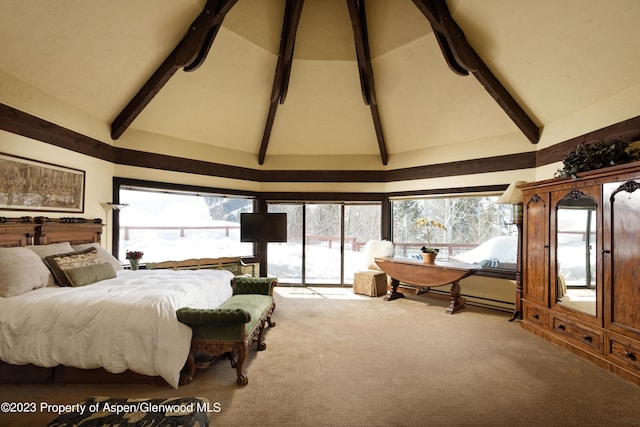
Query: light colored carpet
336, 359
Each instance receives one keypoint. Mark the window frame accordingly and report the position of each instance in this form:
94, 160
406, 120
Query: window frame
123, 183
486, 191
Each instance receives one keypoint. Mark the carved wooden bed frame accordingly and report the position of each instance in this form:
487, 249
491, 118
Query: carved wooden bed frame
26, 231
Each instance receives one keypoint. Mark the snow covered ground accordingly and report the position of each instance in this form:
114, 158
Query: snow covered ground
156, 210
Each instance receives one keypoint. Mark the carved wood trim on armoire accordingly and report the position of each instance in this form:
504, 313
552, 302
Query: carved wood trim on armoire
581, 265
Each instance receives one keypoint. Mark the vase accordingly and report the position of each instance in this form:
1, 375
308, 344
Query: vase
134, 263
429, 257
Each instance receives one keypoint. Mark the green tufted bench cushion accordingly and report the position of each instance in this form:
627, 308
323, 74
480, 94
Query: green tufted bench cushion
225, 322
254, 285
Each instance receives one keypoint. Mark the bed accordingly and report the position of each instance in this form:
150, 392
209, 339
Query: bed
110, 319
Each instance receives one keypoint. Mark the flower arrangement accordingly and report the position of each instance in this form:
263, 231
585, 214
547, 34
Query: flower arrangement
134, 258
430, 226
134, 255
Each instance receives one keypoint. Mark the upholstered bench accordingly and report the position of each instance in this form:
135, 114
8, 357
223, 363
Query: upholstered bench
231, 328
115, 411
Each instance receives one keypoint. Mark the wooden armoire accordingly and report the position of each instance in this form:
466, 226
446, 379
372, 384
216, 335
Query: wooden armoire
581, 265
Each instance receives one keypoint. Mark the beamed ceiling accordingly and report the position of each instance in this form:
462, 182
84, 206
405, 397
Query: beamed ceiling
327, 78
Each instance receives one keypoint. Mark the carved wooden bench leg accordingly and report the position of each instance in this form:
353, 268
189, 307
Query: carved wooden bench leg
269, 321
261, 345
263, 325
186, 376
243, 349
232, 356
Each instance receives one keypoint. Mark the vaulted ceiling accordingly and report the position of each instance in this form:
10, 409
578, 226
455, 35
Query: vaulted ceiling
379, 78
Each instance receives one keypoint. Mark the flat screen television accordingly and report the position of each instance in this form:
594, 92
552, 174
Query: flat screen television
267, 227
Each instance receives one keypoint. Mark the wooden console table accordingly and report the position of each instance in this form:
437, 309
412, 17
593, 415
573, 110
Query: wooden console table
424, 276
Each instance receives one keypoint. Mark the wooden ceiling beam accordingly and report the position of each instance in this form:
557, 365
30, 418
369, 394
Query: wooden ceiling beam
360, 35
463, 59
293, 10
190, 53
198, 60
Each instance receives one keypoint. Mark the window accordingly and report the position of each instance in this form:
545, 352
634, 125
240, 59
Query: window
477, 229
173, 225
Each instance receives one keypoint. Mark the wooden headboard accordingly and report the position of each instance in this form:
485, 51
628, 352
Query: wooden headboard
25, 231
73, 230
16, 232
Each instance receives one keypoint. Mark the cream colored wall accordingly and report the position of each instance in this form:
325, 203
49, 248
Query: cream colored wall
144, 141
134, 172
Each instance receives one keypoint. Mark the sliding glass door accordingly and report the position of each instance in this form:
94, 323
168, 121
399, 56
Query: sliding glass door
361, 224
325, 242
285, 260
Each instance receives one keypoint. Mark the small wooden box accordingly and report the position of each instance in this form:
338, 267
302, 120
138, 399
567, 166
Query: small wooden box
372, 283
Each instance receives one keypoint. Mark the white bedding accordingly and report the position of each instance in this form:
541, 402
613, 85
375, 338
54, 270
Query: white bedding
124, 323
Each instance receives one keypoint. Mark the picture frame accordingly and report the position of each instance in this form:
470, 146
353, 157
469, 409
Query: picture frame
32, 185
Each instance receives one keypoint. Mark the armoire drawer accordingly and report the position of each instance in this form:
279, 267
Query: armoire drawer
626, 351
536, 315
579, 334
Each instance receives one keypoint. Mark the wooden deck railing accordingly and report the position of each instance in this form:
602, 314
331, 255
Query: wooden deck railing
182, 228
327, 241
401, 249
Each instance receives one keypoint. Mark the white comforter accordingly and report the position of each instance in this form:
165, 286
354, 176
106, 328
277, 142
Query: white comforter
124, 323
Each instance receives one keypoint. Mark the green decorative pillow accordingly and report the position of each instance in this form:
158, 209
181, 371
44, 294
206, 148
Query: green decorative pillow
81, 276
58, 264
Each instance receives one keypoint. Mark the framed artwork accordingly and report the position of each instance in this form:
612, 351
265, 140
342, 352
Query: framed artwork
30, 185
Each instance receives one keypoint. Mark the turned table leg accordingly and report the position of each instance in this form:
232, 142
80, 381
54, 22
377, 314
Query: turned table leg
394, 291
457, 302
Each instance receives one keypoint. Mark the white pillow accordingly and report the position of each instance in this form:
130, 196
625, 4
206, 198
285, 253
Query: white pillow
105, 256
377, 249
21, 271
44, 251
